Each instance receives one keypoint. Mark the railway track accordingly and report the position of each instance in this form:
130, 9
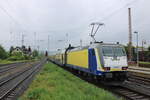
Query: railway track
139, 79
6, 68
137, 86
132, 89
12, 86
14, 68
129, 94
1, 65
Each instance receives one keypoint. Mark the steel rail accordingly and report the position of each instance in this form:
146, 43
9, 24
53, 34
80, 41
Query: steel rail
129, 93
140, 80
10, 77
7, 86
7, 68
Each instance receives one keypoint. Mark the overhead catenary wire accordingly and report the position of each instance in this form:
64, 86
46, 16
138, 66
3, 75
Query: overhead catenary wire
12, 18
114, 12
103, 19
118, 10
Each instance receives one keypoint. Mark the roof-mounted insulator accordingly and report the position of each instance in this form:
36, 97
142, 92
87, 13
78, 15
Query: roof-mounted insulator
101, 42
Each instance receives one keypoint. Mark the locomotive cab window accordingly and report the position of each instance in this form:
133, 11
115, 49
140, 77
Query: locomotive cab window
113, 51
118, 51
107, 51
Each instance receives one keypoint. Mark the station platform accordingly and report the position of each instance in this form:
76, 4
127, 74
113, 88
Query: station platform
139, 71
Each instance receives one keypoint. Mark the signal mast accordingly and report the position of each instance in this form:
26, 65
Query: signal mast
97, 26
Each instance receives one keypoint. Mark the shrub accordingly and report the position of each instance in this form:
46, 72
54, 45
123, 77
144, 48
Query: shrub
19, 54
28, 57
14, 58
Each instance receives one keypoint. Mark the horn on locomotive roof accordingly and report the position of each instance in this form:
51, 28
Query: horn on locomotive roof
93, 33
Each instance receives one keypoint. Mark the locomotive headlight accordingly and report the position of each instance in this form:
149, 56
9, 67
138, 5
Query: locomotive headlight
107, 68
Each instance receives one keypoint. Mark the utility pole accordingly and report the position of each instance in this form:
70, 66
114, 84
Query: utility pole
137, 48
142, 50
11, 38
39, 43
143, 42
130, 35
35, 40
67, 40
22, 41
80, 43
48, 43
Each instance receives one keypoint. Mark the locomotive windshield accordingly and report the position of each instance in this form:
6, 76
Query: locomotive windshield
112, 51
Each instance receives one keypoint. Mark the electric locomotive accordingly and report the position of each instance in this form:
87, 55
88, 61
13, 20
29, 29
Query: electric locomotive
104, 61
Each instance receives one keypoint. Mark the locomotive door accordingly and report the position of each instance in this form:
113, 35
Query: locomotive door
92, 61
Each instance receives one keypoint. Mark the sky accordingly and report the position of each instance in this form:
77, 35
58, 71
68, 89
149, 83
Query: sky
68, 21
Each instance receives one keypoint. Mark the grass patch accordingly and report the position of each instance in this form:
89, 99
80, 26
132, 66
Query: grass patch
5, 62
54, 83
144, 62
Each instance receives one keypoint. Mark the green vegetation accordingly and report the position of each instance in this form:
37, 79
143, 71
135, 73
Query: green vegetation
5, 62
3, 53
54, 83
35, 53
17, 56
10, 62
144, 62
143, 55
149, 48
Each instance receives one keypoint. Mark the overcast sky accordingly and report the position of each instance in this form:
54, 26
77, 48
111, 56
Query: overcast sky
57, 18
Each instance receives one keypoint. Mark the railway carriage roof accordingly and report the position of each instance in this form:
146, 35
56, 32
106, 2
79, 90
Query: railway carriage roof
94, 45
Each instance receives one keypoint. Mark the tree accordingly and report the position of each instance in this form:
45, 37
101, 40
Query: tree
11, 49
3, 53
149, 48
35, 53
